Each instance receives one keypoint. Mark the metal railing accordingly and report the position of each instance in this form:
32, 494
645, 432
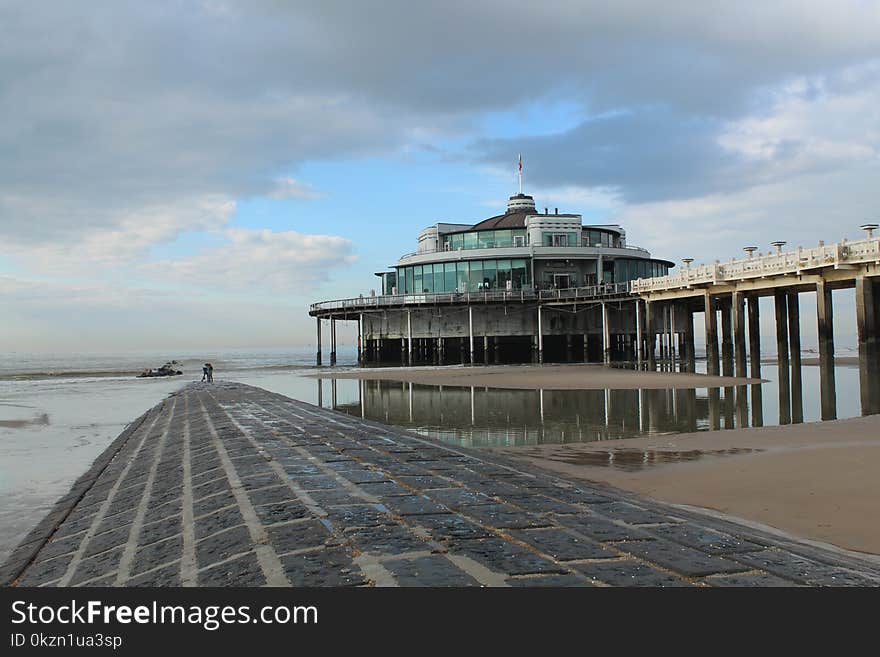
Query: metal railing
588, 293
773, 264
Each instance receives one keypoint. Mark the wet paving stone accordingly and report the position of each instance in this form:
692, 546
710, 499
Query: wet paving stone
243, 571
504, 557
298, 536
682, 559
218, 521
362, 515
166, 576
157, 553
632, 515
434, 570
270, 514
214, 503
414, 505
629, 573
804, 571
706, 540
749, 580
335, 497
159, 531
384, 489
107, 540
505, 517
447, 527
97, 566
222, 546
548, 581
386, 539
459, 498
600, 529
274, 495
563, 545
329, 567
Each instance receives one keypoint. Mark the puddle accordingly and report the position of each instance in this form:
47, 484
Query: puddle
631, 460
41, 420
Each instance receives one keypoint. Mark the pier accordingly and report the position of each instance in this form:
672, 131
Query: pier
231, 485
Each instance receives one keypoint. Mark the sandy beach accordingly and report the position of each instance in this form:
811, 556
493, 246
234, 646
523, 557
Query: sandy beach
548, 377
817, 481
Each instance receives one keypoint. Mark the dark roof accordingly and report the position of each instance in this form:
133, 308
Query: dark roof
507, 220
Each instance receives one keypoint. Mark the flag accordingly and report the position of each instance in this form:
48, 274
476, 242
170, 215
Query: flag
520, 162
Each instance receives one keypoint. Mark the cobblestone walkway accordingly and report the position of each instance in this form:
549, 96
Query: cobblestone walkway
233, 485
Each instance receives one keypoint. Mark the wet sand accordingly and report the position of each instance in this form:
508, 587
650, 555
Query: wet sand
533, 377
818, 481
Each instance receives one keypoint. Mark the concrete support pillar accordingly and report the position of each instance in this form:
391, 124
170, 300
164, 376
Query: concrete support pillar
780, 299
606, 334
361, 339
540, 338
486, 349
825, 330
409, 349
568, 352
640, 348
690, 347
649, 334
754, 341
739, 334
332, 341
318, 358
672, 333
441, 352
497, 345
726, 337
711, 325
471, 332
867, 322
794, 343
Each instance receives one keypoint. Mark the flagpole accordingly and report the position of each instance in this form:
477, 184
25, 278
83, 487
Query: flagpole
520, 173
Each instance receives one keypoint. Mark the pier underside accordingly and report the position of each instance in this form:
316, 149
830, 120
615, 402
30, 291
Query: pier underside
228, 484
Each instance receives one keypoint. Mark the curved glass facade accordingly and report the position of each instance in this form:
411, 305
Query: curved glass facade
462, 276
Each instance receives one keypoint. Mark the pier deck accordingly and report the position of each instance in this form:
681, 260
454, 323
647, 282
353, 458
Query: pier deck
233, 485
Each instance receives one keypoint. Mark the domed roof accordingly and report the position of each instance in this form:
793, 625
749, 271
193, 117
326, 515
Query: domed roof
519, 207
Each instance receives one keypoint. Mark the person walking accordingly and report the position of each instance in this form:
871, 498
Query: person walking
210, 373
205, 372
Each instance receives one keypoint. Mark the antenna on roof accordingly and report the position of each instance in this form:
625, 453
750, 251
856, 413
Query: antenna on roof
520, 173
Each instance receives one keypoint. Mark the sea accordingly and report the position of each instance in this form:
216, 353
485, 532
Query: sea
58, 412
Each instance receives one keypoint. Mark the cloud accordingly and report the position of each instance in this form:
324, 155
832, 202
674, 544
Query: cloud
288, 188
260, 260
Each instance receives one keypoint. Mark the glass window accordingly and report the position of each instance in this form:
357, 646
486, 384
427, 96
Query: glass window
457, 242
519, 273
470, 240
461, 279
428, 278
489, 274
438, 278
486, 239
503, 238
503, 274
408, 289
475, 281
417, 279
449, 276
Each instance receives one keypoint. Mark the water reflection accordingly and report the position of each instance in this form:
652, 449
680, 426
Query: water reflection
483, 417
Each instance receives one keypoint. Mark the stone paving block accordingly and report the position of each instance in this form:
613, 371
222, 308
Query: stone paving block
540, 504
503, 556
563, 545
158, 531
219, 547
219, 485
172, 508
260, 481
59, 546
298, 536
505, 516
317, 482
447, 527
365, 476
384, 489
548, 580
385, 539
680, 558
414, 505
600, 529
748, 580
458, 498
802, 570
423, 482
217, 522
243, 571
107, 540
97, 566
272, 495
45, 570
213, 503
165, 576
706, 540
157, 553
632, 514
629, 573
335, 497
361, 515
330, 567
434, 570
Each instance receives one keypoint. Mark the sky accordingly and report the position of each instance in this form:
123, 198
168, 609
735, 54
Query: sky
194, 174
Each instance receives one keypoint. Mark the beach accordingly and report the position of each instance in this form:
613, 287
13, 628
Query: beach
534, 377
817, 480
